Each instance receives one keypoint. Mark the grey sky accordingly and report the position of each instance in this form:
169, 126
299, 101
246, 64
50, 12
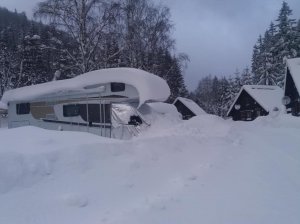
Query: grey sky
218, 35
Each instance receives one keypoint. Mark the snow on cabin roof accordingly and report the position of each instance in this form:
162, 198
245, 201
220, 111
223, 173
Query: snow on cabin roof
268, 97
3, 106
294, 67
191, 105
149, 86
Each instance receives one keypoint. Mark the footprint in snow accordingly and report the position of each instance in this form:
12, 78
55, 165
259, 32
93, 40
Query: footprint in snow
193, 178
74, 200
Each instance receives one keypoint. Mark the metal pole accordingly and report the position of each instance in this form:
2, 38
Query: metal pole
100, 120
110, 114
104, 120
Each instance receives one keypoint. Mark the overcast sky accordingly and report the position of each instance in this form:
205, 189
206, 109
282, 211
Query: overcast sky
218, 35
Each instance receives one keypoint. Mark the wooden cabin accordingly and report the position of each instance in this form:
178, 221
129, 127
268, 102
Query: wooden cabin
255, 100
292, 87
187, 108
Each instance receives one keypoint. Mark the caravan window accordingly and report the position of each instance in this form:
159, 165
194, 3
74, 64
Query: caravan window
23, 108
97, 113
71, 110
117, 87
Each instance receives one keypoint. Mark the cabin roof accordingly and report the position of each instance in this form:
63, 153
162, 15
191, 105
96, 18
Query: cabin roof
294, 67
3, 106
268, 97
190, 104
149, 86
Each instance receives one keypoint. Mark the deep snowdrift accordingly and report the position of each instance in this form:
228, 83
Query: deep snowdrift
205, 170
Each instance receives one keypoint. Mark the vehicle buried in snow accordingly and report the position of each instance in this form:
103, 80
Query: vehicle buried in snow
3, 109
104, 102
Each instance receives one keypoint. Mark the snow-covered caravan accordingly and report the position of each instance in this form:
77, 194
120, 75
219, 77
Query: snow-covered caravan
3, 112
103, 102
292, 87
3, 108
255, 100
188, 108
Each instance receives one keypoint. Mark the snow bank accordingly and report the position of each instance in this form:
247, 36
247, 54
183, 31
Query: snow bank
143, 81
204, 170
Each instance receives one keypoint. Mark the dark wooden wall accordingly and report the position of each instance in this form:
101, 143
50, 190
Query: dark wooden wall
249, 108
185, 112
292, 92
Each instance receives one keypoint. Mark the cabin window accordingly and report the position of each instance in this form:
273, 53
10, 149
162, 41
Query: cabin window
71, 110
23, 108
246, 115
117, 87
97, 113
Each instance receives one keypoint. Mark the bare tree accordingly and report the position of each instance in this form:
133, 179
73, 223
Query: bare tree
147, 30
86, 21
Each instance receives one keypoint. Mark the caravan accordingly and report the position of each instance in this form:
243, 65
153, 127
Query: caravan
104, 102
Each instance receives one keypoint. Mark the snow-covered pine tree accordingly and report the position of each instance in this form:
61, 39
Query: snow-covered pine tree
176, 81
7, 67
203, 94
225, 97
255, 63
246, 77
257, 60
298, 38
233, 89
267, 71
285, 40
34, 69
170, 68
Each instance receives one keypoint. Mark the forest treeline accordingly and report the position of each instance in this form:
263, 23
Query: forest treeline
68, 38
280, 41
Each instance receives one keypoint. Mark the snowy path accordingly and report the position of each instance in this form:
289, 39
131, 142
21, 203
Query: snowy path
205, 170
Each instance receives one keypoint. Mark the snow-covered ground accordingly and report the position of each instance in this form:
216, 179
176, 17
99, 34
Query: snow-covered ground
205, 170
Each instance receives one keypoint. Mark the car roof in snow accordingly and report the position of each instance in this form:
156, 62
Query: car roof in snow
149, 86
268, 97
294, 68
195, 108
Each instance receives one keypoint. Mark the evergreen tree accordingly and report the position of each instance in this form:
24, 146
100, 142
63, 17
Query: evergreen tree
298, 38
285, 39
7, 67
267, 71
34, 69
170, 68
246, 77
255, 63
257, 60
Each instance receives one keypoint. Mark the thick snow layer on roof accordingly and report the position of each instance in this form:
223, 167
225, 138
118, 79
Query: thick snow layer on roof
294, 67
191, 105
149, 86
3, 106
268, 97
164, 108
